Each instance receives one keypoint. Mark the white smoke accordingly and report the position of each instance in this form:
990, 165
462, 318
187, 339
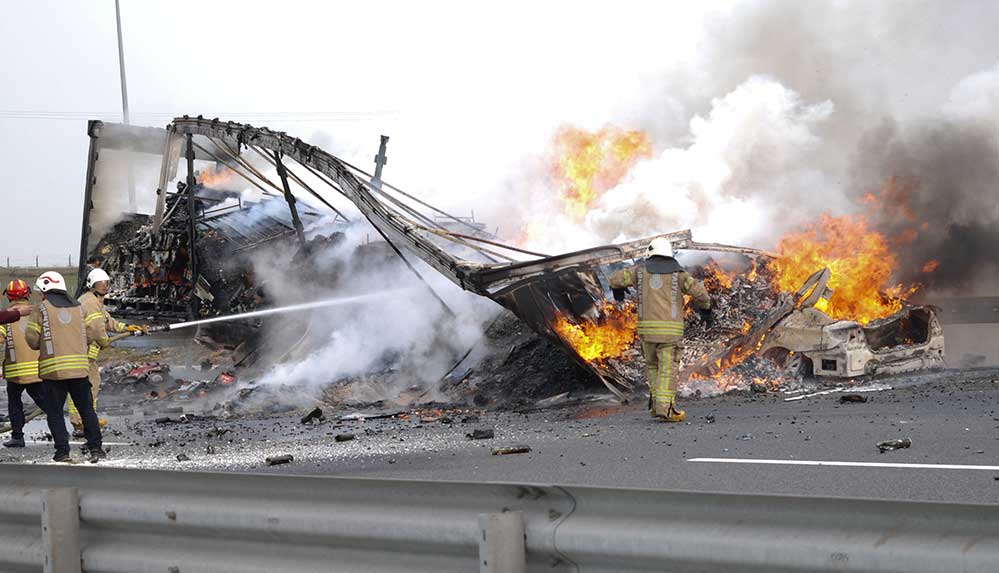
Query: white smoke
407, 331
750, 160
754, 150
976, 97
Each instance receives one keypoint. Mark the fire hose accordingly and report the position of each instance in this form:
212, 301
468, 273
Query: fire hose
270, 311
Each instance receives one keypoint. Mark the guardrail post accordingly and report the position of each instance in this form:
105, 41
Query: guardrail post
501, 543
61, 530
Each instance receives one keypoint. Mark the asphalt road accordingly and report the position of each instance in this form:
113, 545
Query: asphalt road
951, 418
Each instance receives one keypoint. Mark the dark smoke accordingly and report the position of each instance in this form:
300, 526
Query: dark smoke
892, 70
945, 176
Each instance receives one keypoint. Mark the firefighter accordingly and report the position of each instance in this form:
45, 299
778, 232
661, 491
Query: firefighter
57, 329
661, 284
92, 301
20, 368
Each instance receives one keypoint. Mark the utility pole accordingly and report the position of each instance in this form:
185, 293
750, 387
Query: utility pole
121, 65
124, 103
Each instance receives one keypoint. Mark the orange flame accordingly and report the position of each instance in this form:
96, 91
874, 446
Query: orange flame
717, 278
215, 178
609, 337
861, 261
931, 266
586, 165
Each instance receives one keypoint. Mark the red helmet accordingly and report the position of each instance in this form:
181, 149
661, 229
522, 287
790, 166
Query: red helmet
17, 290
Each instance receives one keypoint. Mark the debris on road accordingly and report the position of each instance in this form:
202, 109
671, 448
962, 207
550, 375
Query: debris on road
896, 444
505, 450
278, 460
848, 398
343, 437
315, 414
183, 458
486, 434
744, 437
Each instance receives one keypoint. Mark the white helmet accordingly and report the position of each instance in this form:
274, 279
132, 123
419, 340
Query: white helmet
50, 281
660, 246
96, 276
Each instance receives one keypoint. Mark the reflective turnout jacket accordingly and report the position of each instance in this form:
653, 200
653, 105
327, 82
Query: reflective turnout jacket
661, 284
95, 313
61, 336
20, 362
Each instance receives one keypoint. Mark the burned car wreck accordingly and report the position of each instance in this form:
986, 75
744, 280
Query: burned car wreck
185, 253
809, 342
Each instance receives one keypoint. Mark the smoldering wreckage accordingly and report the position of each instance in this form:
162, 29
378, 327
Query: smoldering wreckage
200, 246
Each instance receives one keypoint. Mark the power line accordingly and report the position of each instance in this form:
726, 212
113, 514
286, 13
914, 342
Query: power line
262, 116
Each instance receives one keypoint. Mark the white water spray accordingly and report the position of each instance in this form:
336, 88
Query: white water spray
279, 310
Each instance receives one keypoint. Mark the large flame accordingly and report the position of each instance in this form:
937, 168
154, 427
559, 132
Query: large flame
609, 337
587, 164
215, 178
861, 260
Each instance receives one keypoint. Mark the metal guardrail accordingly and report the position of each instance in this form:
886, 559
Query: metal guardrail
137, 520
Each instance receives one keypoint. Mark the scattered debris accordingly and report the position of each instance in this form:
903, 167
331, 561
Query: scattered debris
896, 444
847, 398
362, 416
745, 437
278, 460
315, 414
505, 450
183, 458
343, 437
486, 434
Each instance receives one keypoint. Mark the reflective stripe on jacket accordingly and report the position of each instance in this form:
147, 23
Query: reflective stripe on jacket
20, 362
61, 335
660, 300
96, 314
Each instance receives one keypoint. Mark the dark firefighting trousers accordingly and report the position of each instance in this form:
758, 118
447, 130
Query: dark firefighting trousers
41, 393
78, 390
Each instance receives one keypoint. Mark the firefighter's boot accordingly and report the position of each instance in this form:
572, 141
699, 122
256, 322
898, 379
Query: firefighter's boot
78, 431
14, 443
668, 413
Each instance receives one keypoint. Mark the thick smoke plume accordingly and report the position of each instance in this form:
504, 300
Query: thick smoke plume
789, 110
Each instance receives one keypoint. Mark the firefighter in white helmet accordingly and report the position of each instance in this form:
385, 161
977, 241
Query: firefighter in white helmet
661, 284
92, 301
20, 369
57, 330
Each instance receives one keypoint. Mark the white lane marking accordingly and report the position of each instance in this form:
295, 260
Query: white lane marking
872, 388
73, 443
844, 464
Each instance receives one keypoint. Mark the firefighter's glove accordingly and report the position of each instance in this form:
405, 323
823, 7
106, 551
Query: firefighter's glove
707, 317
138, 330
619, 294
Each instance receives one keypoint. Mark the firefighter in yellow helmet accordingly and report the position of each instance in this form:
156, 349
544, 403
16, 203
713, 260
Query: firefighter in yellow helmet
57, 329
661, 284
20, 369
92, 301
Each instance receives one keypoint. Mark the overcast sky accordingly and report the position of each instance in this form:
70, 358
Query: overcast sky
465, 89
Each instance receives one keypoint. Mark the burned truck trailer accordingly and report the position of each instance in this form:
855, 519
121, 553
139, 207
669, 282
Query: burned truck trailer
180, 251
157, 209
